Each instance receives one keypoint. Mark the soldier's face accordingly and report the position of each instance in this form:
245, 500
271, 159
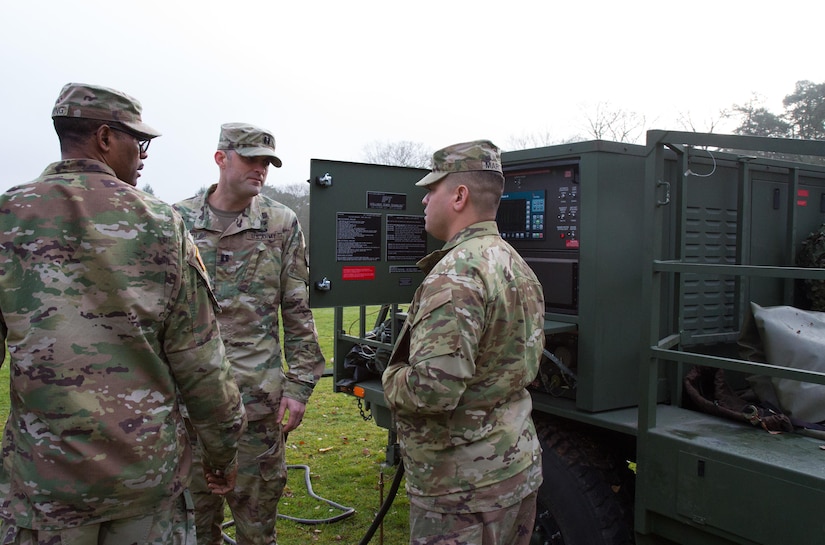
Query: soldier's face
438, 209
245, 176
126, 158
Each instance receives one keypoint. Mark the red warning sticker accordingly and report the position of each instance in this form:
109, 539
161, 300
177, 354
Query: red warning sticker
358, 273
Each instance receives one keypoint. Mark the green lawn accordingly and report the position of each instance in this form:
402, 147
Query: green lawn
344, 454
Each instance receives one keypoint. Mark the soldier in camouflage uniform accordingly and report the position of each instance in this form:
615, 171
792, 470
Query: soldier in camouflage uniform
456, 381
255, 253
107, 313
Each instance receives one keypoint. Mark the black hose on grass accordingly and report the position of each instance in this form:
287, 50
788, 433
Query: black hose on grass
347, 511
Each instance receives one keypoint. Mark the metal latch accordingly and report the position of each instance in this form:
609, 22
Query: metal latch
666, 200
324, 181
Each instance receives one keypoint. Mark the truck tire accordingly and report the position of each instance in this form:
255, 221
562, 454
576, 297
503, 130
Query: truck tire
587, 494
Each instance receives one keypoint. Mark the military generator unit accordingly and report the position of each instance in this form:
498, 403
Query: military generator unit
679, 394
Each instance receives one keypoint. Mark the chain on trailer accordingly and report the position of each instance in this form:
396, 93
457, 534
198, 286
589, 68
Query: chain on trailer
364, 415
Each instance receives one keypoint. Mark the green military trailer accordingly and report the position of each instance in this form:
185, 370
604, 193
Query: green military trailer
656, 403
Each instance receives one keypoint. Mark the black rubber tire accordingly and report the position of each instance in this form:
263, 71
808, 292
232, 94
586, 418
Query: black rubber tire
587, 494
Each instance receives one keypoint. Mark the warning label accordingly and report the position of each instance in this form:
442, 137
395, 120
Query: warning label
358, 273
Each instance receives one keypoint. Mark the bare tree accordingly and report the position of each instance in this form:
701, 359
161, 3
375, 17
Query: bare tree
610, 123
402, 154
537, 140
709, 124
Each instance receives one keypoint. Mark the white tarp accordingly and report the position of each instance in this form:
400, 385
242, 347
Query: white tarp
795, 338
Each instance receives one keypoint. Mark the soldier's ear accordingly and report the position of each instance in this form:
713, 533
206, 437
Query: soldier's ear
220, 158
461, 197
103, 137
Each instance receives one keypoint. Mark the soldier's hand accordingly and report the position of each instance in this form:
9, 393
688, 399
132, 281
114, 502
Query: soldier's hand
296, 411
221, 482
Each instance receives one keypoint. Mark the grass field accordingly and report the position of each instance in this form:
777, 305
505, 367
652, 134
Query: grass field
344, 454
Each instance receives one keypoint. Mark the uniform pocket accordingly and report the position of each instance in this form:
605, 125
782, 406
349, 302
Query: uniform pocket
271, 462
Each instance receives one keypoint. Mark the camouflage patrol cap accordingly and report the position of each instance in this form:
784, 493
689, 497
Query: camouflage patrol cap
103, 104
249, 141
467, 156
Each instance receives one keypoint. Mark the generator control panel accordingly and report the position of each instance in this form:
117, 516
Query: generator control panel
540, 205
539, 217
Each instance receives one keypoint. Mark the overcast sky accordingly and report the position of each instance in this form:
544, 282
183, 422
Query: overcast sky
329, 77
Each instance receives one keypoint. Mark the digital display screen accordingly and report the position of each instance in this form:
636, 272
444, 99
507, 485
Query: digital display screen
522, 215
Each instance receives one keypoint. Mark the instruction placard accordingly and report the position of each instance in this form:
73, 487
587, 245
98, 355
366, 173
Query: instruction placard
357, 237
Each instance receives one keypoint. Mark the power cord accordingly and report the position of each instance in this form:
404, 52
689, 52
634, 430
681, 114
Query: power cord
689, 172
347, 511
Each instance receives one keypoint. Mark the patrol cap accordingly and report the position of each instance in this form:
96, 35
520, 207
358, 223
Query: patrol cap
467, 156
249, 141
86, 101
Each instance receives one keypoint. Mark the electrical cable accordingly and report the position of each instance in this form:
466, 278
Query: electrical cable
347, 511
561, 366
689, 172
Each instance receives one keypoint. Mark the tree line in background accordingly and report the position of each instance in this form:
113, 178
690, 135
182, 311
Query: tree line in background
294, 196
803, 117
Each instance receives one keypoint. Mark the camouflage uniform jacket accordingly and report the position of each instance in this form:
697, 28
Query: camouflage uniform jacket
456, 381
107, 312
258, 266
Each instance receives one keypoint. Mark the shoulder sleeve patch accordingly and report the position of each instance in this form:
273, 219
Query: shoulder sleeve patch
432, 302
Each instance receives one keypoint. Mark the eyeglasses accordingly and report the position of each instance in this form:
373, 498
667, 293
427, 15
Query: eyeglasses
142, 144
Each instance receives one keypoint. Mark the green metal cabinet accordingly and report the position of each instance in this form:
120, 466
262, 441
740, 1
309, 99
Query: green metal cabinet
649, 256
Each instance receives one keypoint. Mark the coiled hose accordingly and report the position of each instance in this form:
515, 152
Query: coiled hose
379, 517
347, 511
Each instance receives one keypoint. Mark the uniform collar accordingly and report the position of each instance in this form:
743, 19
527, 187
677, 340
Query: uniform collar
479, 229
251, 217
79, 165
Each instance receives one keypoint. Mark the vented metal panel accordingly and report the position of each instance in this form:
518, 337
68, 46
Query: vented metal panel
709, 236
